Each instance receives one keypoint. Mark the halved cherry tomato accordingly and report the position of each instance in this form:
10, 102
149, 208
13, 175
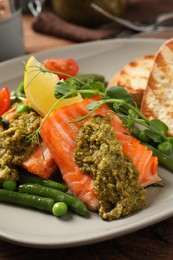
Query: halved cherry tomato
68, 66
4, 100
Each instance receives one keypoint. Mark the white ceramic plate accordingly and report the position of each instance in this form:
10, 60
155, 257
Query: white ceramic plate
36, 229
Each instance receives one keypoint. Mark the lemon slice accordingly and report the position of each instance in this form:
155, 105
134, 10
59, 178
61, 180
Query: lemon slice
39, 88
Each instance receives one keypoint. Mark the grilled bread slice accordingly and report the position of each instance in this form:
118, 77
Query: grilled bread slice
134, 76
158, 98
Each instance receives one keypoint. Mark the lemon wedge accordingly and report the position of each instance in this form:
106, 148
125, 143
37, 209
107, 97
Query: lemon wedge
39, 88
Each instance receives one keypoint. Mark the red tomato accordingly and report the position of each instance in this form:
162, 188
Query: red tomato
4, 100
68, 66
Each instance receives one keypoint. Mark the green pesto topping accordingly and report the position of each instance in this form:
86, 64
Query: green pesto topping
116, 180
14, 144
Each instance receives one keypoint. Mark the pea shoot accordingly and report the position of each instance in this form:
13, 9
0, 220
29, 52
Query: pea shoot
151, 132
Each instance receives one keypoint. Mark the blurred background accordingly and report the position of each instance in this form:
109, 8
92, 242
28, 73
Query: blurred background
45, 24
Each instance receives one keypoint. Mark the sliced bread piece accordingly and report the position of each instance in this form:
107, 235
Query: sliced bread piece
134, 76
158, 98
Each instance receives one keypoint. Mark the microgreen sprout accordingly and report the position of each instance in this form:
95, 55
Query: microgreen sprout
120, 102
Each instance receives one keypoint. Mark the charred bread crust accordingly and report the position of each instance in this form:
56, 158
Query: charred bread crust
157, 101
134, 76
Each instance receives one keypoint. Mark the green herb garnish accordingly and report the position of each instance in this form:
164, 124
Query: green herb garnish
152, 132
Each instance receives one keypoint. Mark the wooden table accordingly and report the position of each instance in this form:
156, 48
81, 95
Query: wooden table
155, 242
34, 41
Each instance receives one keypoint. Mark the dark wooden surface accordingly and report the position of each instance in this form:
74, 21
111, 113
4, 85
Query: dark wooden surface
155, 242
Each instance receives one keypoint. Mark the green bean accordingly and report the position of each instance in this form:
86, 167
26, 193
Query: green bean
25, 177
165, 147
170, 139
9, 185
164, 160
59, 209
75, 204
27, 200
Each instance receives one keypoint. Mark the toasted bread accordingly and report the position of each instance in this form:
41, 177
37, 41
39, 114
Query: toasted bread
134, 76
158, 98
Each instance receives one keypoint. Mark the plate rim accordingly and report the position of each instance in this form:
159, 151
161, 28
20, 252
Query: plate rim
96, 239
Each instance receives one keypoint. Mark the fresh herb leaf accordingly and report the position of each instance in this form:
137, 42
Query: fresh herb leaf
128, 122
119, 100
120, 93
158, 126
98, 86
74, 86
65, 87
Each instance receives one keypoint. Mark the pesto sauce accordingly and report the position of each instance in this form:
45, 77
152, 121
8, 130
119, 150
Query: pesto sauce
14, 145
116, 180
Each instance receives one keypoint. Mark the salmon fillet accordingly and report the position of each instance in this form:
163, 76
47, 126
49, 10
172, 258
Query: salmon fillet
60, 133
40, 162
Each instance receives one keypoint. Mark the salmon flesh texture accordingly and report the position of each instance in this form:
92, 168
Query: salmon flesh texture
60, 133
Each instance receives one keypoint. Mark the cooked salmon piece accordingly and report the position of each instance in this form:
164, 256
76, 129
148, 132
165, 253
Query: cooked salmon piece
142, 158
59, 132
40, 162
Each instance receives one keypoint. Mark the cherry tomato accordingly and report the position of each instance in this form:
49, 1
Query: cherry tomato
68, 66
4, 100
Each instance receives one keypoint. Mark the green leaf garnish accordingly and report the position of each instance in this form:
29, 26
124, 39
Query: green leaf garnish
158, 126
119, 101
120, 93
